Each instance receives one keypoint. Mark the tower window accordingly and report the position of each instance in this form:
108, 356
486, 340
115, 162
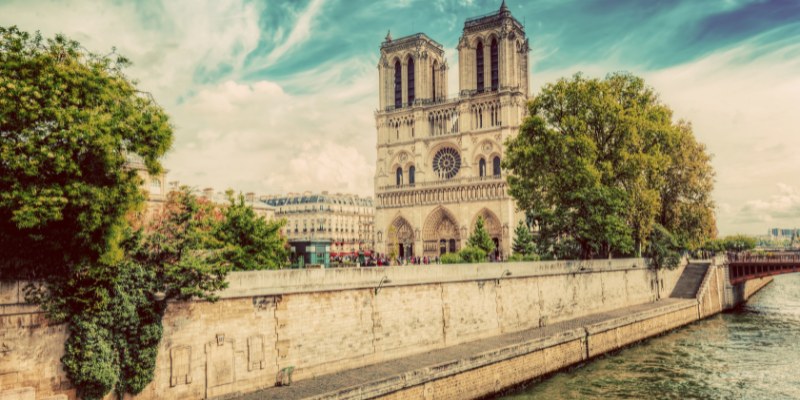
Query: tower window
399, 176
410, 81
479, 65
411, 173
433, 80
398, 85
495, 66
496, 166
482, 167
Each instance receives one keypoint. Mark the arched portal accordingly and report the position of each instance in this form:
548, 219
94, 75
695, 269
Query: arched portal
493, 227
400, 238
440, 234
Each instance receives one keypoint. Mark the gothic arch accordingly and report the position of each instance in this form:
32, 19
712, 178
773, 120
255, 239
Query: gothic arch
492, 225
400, 233
440, 234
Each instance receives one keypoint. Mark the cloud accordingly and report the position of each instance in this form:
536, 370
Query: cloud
779, 210
257, 137
300, 33
173, 44
276, 96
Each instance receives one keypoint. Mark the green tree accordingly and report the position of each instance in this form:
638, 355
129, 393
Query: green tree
590, 164
480, 238
662, 249
523, 240
180, 249
739, 242
392, 244
253, 243
685, 190
68, 121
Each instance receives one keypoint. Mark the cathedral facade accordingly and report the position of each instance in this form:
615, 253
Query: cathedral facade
438, 158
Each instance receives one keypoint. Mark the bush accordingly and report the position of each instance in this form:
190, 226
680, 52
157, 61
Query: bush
451, 258
472, 254
517, 257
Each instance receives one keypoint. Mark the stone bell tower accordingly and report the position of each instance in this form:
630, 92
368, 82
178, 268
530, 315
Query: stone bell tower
412, 70
493, 54
439, 158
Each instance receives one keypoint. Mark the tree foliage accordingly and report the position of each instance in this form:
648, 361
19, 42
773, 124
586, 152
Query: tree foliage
480, 237
599, 162
254, 242
68, 120
469, 254
523, 240
737, 242
662, 249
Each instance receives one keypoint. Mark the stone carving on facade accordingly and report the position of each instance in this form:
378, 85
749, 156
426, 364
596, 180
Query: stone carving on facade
180, 366
462, 43
255, 353
444, 230
219, 362
403, 157
263, 303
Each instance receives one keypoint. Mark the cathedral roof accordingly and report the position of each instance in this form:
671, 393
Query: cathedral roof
491, 18
409, 40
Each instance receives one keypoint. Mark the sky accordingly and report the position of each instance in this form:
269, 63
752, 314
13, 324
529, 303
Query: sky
279, 96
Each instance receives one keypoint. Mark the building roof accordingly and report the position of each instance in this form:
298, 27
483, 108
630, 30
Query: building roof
324, 198
492, 18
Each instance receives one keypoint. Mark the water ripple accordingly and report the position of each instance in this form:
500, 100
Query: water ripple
751, 353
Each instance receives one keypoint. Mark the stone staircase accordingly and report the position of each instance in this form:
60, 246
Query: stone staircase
690, 281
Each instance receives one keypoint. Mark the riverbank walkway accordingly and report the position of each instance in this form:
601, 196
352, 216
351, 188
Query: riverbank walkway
401, 373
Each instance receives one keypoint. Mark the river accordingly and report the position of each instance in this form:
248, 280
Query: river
750, 353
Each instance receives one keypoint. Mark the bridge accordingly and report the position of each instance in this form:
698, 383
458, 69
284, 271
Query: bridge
745, 266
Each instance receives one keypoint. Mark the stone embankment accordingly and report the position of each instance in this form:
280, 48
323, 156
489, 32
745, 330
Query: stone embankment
431, 332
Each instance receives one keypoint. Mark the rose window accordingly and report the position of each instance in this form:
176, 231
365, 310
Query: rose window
446, 163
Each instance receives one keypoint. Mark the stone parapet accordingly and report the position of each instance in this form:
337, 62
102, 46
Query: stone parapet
264, 283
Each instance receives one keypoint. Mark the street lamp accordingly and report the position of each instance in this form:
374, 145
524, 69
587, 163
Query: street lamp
384, 280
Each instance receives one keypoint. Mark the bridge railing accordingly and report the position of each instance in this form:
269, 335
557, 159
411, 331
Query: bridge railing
775, 258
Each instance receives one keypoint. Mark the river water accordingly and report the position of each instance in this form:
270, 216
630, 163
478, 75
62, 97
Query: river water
750, 353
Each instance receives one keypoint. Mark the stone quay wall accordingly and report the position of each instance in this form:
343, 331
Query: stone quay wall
323, 321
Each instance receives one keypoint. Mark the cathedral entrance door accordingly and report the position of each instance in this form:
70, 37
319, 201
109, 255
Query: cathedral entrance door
440, 233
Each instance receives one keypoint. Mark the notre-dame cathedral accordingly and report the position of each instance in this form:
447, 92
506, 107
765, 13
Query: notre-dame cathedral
438, 165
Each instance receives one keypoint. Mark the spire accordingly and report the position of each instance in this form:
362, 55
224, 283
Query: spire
503, 6
389, 36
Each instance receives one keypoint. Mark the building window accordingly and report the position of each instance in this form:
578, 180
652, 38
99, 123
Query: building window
433, 79
399, 177
410, 81
479, 65
482, 167
446, 163
411, 172
495, 67
496, 166
398, 85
